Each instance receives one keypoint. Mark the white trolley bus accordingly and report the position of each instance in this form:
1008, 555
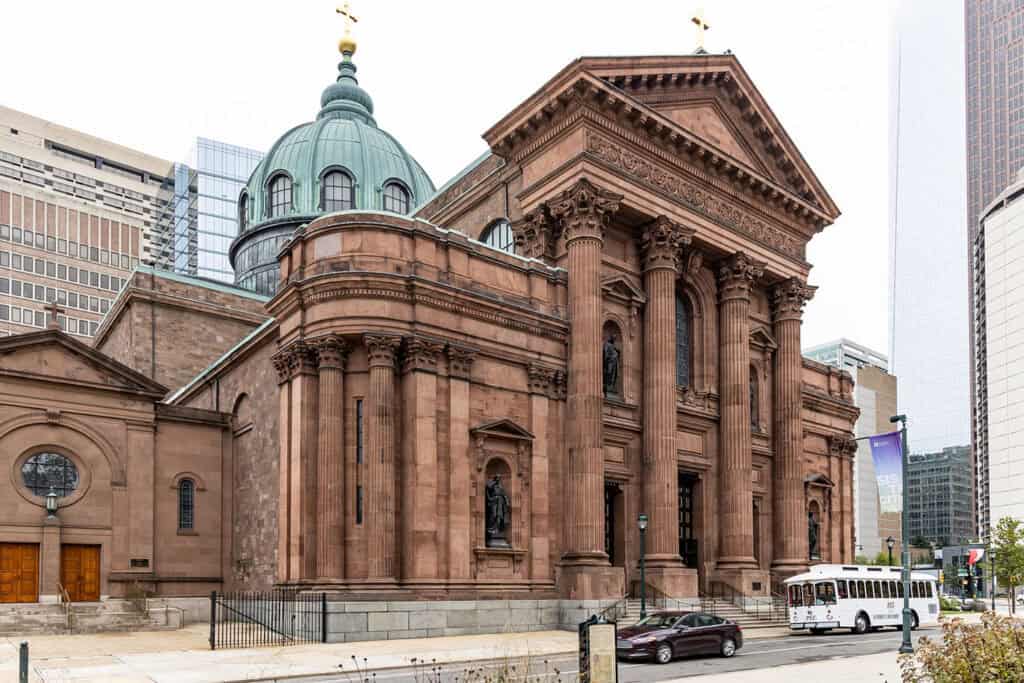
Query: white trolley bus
859, 598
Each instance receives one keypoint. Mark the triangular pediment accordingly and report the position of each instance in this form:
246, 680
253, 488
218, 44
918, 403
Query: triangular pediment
619, 287
701, 107
51, 355
759, 336
504, 428
820, 480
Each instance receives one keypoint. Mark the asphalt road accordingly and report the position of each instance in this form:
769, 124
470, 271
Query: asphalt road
756, 654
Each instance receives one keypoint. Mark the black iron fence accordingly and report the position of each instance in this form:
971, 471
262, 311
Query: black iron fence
264, 618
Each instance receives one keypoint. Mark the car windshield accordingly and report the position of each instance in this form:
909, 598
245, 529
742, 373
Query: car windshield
659, 620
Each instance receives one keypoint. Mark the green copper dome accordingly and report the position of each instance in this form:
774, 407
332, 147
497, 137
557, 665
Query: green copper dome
344, 136
340, 161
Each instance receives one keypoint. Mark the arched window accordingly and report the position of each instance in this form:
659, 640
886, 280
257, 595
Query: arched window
396, 197
279, 195
684, 321
337, 191
243, 213
755, 413
186, 504
45, 471
499, 236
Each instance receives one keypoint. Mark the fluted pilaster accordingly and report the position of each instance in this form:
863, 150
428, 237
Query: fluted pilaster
330, 489
736, 275
583, 212
791, 554
380, 455
661, 245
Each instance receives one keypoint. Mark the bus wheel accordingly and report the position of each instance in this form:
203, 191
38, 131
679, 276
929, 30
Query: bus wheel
818, 631
861, 624
913, 621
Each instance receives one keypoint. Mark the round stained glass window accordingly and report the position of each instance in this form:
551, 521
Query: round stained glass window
44, 471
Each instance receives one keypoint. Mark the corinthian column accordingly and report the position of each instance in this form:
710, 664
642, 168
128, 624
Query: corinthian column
790, 532
330, 487
380, 455
584, 212
661, 245
736, 274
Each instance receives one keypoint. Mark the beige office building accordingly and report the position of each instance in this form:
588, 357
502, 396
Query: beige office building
77, 214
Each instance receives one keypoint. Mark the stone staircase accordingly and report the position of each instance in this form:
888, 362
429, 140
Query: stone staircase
86, 617
749, 619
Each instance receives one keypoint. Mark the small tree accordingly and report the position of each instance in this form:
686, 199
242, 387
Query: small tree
882, 558
861, 559
1008, 546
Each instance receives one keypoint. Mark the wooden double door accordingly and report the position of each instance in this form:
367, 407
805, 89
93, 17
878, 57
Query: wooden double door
80, 571
19, 572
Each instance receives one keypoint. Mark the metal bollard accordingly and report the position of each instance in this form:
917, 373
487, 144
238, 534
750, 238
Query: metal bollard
23, 662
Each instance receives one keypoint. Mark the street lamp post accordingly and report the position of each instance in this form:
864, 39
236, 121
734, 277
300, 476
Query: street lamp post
889, 543
906, 646
641, 522
992, 573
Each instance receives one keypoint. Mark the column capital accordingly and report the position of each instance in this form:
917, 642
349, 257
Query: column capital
541, 378
421, 354
535, 233
662, 242
842, 445
584, 210
298, 358
736, 273
381, 349
331, 351
460, 361
789, 298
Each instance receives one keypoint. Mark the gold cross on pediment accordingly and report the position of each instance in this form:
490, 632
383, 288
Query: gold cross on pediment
702, 26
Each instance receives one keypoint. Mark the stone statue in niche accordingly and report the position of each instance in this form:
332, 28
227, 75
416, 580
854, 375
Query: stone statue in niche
498, 514
611, 367
812, 536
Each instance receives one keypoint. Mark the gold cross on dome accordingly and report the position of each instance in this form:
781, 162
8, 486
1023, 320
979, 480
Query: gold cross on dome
702, 26
346, 11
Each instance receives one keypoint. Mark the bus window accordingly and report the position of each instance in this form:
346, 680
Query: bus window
930, 593
915, 590
892, 588
808, 595
899, 589
871, 589
878, 589
885, 589
861, 591
826, 593
841, 589
794, 596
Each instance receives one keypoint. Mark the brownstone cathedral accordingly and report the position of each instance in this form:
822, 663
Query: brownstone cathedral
463, 394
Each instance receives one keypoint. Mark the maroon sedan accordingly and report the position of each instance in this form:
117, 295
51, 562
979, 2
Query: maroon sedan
665, 635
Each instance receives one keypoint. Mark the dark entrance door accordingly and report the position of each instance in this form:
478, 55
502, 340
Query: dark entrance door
19, 572
687, 538
80, 571
610, 492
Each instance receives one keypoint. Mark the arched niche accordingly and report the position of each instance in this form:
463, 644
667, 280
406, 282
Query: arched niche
613, 350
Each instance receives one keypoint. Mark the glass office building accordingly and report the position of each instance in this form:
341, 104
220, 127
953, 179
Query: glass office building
207, 188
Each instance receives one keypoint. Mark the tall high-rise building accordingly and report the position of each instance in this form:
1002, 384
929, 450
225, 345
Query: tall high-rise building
994, 50
875, 394
77, 214
206, 192
929, 345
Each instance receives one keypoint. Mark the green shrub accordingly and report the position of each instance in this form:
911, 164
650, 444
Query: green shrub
949, 604
989, 652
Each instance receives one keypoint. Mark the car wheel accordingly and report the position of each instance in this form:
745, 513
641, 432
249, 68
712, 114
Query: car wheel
728, 647
663, 655
860, 624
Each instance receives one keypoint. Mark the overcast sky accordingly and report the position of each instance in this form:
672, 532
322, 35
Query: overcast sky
153, 75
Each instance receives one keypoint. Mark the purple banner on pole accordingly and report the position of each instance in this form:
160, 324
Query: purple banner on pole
887, 454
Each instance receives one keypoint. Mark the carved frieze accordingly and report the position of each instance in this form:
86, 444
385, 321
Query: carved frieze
736, 274
584, 210
691, 195
662, 242
789, 298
